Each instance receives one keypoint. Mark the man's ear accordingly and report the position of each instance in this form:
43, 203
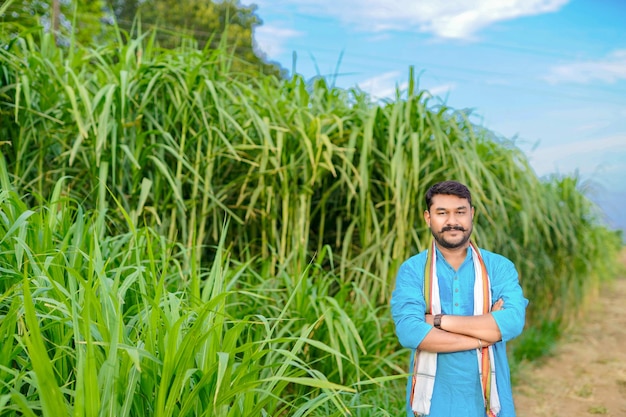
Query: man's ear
427, 217
472, 211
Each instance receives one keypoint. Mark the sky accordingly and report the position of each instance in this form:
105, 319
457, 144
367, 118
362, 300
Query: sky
549, 74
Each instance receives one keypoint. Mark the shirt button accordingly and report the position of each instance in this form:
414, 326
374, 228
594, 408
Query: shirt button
456, 304
456, 278
456, 290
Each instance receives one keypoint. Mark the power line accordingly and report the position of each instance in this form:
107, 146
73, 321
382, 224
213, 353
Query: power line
371, 61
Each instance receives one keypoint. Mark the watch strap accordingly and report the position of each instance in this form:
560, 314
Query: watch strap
437, 320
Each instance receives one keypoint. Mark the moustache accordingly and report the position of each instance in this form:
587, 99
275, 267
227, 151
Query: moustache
448, 228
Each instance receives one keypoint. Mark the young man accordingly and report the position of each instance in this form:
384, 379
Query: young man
455, 306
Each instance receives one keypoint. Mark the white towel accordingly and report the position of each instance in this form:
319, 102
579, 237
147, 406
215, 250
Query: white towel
425, 363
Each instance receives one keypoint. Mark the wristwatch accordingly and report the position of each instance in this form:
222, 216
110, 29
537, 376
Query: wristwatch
437, 320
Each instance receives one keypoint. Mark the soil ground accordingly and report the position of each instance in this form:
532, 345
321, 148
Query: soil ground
586, 375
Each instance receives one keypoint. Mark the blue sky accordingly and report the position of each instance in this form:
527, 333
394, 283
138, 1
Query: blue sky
549, 73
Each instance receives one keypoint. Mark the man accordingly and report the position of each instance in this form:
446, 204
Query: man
444, 311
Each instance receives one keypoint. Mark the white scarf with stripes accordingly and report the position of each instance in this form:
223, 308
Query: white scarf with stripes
425, 363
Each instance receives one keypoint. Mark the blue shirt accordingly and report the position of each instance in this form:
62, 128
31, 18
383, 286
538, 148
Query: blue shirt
457, 391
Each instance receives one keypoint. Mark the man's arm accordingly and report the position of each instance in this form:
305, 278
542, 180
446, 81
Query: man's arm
408, 306
504, 322
462, 332
483, 327
414, 327
442, 341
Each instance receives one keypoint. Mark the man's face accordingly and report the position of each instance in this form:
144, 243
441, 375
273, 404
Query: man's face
450, 220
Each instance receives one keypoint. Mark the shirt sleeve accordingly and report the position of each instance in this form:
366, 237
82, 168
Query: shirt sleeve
505, 284
408, 306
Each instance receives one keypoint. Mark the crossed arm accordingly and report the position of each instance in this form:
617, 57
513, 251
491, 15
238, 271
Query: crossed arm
415, 329
462, 332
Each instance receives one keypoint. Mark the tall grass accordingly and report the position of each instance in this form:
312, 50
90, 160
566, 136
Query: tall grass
195, 241
105, 327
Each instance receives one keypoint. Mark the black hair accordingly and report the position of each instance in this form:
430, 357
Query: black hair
448, 188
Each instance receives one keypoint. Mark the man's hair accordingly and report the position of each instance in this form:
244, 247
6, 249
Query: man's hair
448, 188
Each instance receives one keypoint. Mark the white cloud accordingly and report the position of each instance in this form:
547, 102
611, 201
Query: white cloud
382, 86
609, 70
444, 18
441, 90
271, 39
589, 157
614, 143
594, 125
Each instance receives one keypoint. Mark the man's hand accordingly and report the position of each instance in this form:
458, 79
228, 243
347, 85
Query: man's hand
497, 306
463, 332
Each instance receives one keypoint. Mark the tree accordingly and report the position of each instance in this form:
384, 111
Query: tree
213, 24
222, 24
18, 16
77, 20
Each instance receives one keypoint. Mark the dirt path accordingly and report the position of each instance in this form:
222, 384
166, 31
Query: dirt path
587, 374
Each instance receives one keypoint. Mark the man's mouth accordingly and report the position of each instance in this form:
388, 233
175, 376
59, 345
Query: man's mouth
452, 229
